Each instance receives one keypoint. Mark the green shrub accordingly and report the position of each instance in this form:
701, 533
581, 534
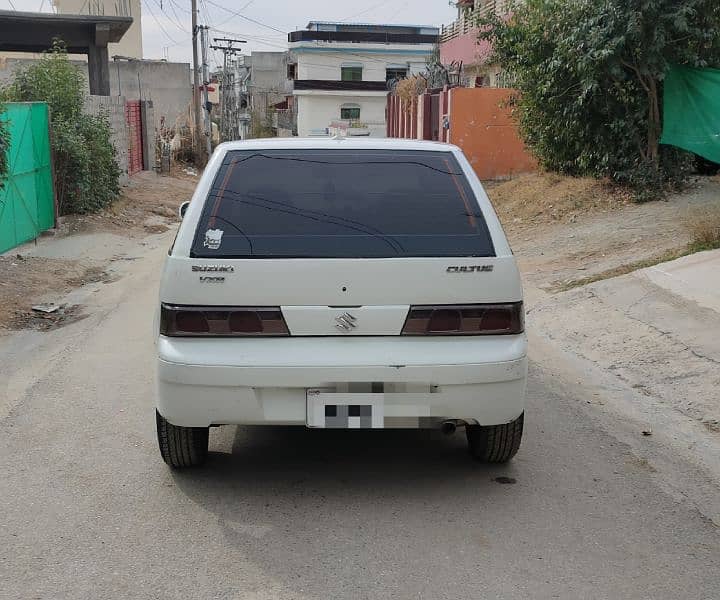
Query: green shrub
589, 75
86, 171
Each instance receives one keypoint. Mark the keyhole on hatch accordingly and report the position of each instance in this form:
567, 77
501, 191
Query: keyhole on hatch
344, 289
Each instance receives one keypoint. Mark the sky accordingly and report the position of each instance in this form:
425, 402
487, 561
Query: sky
166, 23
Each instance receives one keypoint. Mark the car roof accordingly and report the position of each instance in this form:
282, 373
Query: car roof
337, 143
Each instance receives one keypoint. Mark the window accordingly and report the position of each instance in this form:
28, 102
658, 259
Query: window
292, 71
350, 112
341, 204
351, 73
393, 73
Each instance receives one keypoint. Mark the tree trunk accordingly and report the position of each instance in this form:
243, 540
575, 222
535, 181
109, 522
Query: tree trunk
654, 125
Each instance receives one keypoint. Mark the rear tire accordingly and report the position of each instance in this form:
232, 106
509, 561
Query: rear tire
181, 447
495, 443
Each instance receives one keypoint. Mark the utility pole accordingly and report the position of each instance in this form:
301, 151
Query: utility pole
206, 82
228, 49
196, 83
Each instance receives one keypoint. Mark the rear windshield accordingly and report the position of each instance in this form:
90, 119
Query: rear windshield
340, 204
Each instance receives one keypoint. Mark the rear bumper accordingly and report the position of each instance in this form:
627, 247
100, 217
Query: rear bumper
265, 381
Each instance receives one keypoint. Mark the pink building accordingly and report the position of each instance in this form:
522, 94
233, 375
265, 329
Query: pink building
459, 43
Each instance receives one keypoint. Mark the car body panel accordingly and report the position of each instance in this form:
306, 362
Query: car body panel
209, 381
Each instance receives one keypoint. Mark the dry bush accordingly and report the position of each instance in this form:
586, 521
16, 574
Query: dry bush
705, 229
410, 88
549, 197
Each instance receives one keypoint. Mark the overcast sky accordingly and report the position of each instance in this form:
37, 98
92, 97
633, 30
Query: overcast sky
166, 23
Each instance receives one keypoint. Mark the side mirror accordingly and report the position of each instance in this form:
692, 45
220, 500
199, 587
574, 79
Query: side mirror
183, 209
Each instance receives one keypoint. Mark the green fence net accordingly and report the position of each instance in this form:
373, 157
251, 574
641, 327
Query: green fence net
27, 202
691, 118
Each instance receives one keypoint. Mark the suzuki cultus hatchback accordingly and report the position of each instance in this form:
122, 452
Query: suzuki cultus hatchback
340, 283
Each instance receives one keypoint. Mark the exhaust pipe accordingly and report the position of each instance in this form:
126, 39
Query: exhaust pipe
448, 427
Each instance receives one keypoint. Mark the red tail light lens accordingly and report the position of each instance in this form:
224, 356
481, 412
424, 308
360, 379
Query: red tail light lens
475, 319
218, 321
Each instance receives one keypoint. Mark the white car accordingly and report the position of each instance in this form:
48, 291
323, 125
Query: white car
340, 283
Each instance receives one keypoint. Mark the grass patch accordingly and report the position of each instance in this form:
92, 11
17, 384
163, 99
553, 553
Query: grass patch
624, 269
705, 229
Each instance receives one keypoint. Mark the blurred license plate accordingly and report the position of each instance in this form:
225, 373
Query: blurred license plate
326, 410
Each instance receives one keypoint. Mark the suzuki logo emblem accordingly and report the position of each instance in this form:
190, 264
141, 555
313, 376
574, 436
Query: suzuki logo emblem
345, 322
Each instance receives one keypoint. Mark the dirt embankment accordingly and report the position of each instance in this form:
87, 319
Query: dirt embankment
566, 229
656, 348
538, 199
83, 248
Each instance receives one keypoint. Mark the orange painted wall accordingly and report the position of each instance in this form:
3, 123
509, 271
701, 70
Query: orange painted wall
482, 126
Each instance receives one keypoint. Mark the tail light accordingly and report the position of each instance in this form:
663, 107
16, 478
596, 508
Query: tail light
473, 319
219, 321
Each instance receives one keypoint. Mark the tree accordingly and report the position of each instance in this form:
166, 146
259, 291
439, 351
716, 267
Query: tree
590, 74
86, 172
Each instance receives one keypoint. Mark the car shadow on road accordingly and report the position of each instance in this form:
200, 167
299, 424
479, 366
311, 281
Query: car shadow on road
274, 460
313, 507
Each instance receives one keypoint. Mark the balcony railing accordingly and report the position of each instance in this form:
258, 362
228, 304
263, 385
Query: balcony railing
467, 22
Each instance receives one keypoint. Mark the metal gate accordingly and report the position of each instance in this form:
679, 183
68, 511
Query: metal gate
133, 117
27, 199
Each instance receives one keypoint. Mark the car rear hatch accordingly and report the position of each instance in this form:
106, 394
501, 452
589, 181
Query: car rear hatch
344, 243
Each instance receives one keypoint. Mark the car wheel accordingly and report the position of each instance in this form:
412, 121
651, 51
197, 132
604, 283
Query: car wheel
181, 446
495, 443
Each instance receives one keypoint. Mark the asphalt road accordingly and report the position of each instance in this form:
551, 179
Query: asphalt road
89, 510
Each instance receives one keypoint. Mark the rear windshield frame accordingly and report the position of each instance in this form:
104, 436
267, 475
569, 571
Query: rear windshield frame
473, 212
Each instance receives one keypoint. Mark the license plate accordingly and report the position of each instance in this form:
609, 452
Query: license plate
326, 410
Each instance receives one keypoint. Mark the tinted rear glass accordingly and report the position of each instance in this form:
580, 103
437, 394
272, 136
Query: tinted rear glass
340, 204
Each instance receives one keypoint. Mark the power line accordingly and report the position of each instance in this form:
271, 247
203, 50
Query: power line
179, 21
399, 10
237, 14
253, 38
182, 8
13, 6
367, 10
240, 10
178, 25
160, 25
207, 12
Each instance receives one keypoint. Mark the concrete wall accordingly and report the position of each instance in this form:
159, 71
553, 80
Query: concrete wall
316, 111
131, 42
114, 108
483, 127
167, 84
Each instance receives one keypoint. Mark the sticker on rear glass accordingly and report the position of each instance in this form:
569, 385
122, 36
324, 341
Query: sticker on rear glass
213, 238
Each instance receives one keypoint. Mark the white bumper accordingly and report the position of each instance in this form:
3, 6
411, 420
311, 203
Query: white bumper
204, 382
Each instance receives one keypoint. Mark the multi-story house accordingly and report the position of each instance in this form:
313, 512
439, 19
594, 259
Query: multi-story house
270, 91
459, 43
342, 70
